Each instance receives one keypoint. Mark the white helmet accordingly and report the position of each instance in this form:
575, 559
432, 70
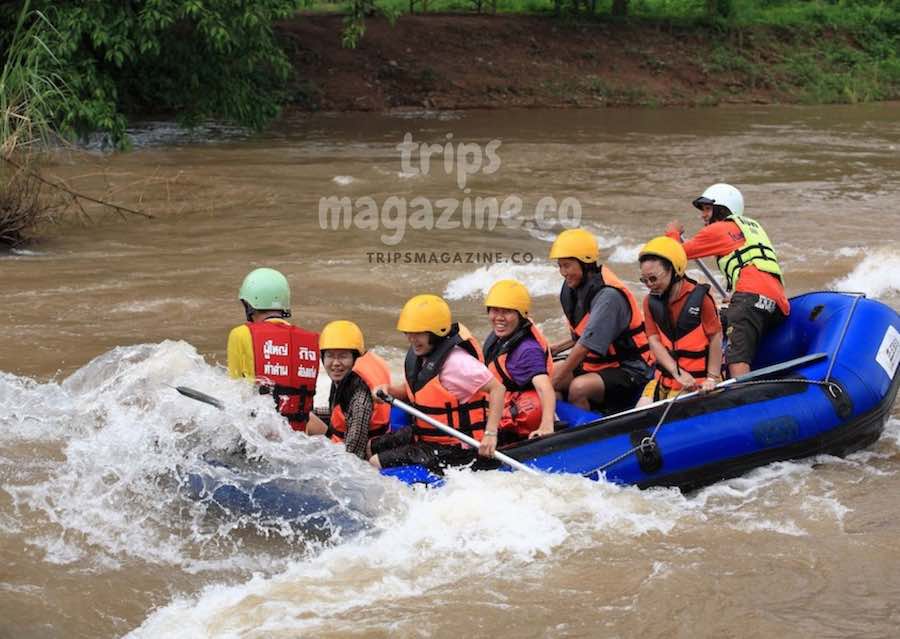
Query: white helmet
722, 195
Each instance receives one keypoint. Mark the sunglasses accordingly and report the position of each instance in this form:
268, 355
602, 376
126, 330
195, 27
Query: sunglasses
651, 279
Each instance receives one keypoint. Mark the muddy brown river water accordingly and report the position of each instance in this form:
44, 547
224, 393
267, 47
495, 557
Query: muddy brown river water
97, 540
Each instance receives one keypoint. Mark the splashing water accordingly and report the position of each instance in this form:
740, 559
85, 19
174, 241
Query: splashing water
878, 276
126, 444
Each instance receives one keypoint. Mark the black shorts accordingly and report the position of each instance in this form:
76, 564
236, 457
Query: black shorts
747, 318
399, 448
622, 390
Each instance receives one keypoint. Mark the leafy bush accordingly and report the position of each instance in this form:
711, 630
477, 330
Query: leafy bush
192, 58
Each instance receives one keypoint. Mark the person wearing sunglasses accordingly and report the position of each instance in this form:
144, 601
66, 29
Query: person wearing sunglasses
682, 324
745, 256
610, 360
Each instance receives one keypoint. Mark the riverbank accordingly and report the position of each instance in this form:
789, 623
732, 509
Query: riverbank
443, 61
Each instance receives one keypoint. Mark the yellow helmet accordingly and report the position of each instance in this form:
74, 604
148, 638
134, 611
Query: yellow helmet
669, 249
342, 334
576, 243
509, 294
425, 314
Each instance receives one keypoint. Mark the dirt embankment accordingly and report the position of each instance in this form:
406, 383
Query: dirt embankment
466, 61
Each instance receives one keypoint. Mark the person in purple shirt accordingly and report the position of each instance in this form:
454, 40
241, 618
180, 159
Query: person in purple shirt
517, 353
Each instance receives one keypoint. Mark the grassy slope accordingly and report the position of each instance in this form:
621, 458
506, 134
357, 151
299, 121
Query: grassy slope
469, 61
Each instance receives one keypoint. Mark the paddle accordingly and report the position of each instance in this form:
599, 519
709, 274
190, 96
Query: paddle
200, 397
471, 441
761, 372
712, 280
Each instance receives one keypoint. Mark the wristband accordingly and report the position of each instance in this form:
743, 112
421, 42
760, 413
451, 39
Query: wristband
490, 433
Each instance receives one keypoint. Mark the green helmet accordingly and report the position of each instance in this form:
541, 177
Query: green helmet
266, 289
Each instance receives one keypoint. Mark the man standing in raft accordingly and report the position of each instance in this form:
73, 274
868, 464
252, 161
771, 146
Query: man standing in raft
518, 355
283, 359
745, 256
610, 361
445, 379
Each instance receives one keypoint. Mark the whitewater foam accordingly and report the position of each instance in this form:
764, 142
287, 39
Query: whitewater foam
878, 275
471, 527
128, 442
541, 278
626, 254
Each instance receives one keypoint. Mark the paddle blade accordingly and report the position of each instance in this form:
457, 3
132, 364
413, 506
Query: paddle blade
200, 397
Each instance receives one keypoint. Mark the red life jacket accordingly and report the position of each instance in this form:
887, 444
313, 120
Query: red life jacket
374, 371
286, 363
423, 387
685, 340
630, 344
522, 410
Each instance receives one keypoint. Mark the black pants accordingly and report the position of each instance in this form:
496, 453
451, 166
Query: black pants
400, 448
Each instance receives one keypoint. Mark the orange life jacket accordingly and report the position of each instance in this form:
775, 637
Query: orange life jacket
423, 387
286, 363
373, 371
630, 344
685, 340
522, 408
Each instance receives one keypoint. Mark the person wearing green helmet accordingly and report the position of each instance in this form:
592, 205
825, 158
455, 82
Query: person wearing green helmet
267, 349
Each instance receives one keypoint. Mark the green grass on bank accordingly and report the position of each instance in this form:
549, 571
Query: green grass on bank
837, 13
819, 51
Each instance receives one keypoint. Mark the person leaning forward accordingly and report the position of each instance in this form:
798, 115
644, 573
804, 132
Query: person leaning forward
518, 355
610, 361
745, 256
445, 379
682, 324
353, 416
283, 359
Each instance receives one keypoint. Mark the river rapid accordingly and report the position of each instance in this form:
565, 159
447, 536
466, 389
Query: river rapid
102, 317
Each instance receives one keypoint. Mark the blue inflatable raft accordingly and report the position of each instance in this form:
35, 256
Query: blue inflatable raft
824, 382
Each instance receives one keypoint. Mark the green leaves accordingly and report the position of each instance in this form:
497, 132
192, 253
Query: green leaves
195, 59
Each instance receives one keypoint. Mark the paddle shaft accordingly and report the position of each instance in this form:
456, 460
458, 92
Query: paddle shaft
711, 278
706, 272
471, 441
761, 372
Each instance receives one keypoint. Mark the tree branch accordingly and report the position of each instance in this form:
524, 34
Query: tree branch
75, 194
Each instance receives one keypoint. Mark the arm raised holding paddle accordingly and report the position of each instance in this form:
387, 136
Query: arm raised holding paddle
749, 262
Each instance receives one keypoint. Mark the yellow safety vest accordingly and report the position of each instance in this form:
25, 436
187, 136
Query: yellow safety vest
756, 250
